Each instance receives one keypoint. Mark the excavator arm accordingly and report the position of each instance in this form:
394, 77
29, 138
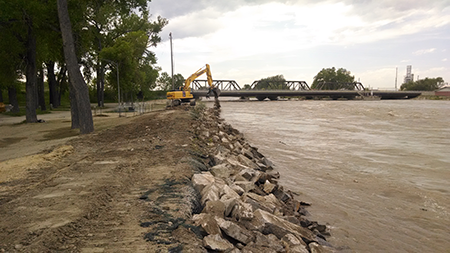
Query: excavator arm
206, 69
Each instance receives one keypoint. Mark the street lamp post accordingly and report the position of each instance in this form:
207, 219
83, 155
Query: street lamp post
118, 89
118, 84
171, 58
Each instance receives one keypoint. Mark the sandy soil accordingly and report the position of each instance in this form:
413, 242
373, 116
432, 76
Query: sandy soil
121, 189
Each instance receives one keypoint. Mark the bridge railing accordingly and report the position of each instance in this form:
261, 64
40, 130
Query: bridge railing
225, 85
230, 85
340, 86
279, 85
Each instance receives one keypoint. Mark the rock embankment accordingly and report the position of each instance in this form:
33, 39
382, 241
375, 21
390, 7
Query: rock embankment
244, 208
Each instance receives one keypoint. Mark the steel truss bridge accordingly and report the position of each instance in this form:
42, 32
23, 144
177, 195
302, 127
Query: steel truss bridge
230, 88
221, 84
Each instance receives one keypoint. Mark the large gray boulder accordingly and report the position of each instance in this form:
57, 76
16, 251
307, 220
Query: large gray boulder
249, 175
230, 204
207, 222
217, 243
316, 248
235, 231
245, 185
268, 203
269, 241
210, 193
292, 240
228, 193
200, 181
271, 224
221, 170
269, 187
216, 208
247, 162
242, 211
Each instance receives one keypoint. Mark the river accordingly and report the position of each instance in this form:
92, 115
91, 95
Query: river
376, 172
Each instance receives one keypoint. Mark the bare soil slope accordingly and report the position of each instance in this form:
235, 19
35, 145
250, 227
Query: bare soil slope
118, 190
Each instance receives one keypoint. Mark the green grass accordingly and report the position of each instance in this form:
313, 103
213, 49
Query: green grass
65, 101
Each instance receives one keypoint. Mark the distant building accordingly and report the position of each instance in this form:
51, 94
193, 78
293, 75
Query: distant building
444, 91
409, 75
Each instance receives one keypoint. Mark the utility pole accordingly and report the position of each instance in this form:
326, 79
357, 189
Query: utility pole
171, 60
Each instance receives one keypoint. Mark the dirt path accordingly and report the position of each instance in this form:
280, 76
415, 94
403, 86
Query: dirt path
119, 190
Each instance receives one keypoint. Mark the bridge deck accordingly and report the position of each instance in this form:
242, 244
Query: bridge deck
310, 93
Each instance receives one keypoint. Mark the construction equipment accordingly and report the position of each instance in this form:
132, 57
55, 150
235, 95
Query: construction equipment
183, 93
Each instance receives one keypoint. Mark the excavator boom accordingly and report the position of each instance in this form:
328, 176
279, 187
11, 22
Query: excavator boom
206, 69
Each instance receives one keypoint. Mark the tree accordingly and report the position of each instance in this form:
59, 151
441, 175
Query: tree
10, 49
54, 84
272, 83
29, 29
332, 79
427, 84
19, 22
80, 89
164, 82
108, 21
135, 63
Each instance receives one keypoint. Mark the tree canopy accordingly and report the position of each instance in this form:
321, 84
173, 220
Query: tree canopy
272, 83
164, 81
427, 84
107, 23
332, 79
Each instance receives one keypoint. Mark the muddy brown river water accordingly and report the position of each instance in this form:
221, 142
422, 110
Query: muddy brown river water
376, 172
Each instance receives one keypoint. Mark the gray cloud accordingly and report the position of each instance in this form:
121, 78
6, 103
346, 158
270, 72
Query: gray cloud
369, 9
387, 9
175, 8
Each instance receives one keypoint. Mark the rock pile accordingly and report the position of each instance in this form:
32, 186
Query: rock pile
245, 209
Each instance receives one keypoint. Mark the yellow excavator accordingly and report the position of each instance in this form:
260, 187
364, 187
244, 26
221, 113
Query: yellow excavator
184, 95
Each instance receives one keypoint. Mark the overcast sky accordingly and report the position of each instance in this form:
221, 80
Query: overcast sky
246, 40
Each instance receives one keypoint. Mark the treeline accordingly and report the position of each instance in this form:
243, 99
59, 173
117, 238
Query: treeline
427, 84
326, 79
342, 79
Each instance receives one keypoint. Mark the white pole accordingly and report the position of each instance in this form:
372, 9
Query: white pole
396, 71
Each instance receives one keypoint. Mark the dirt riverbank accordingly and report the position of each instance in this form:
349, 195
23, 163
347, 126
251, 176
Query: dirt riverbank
102, 192
130, 188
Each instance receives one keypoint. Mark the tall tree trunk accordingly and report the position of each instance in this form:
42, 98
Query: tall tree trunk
1, 95
52, 84
73, 107
62, 83
12, 97
40, 89
76, 78
31, 75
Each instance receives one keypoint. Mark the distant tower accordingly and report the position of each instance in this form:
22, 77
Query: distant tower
409, 76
